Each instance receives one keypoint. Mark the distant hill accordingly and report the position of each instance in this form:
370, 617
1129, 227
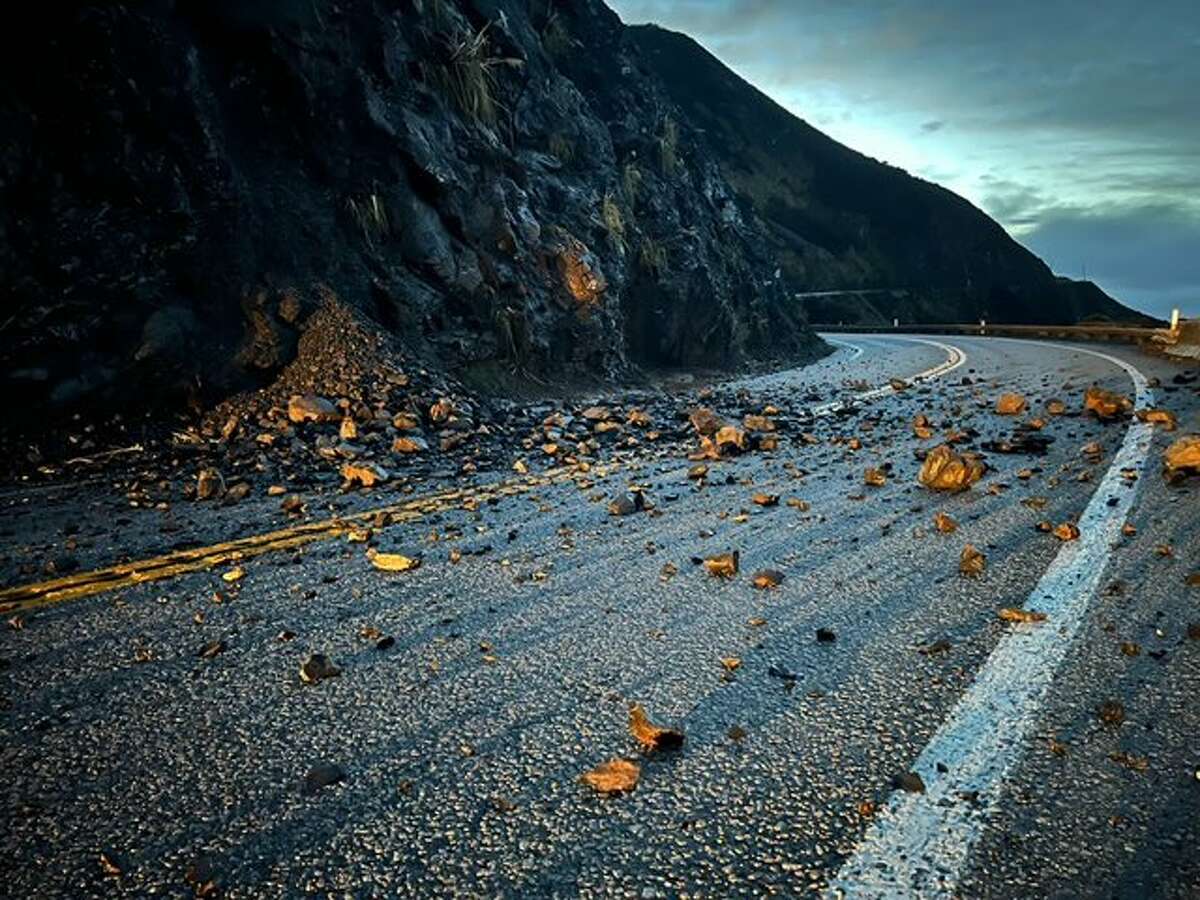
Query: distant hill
841, 221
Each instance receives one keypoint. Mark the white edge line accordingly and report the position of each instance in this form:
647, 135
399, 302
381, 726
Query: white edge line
918, 845
857, 350
955, 357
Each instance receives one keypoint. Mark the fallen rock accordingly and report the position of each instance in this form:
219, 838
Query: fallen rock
730, 440
409, 444
1111, 712
613, 777
723, 565
442, 411
765, 579
649, 735
320, 776
1163, 417
393, 562
628, 504
972, 562
318, 667
1032, 444
946, 470
1067, 531
311, 408
944, 523
783, 674
363, 474
209, 484
1182, 458
758, 423
1016, 614
211, 649
237, 492
1010, 404
705, 421
1105, 405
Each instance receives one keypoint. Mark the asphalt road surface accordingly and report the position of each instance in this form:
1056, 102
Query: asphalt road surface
1058, 758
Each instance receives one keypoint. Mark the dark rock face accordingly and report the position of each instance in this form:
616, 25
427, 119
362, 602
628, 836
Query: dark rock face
496, 182
841, 221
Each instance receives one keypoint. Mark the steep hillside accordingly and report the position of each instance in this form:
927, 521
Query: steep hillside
842, 221
494, 184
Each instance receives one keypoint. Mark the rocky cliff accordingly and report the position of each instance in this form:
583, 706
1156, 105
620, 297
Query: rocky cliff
840, 221
497, 186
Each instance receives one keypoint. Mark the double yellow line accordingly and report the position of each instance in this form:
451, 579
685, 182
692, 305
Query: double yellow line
169, 565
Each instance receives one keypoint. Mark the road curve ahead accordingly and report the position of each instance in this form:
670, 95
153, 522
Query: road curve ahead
869, 726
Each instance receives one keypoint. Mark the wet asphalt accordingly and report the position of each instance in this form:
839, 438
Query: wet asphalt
510, 673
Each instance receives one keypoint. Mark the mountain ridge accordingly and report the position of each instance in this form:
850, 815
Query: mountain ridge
842, 221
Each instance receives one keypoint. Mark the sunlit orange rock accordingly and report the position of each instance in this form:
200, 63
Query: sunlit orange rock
946, 470
649, 735
1010, 404
1183, 457
972, 562
1163, 417
730, 439
944, 523
758, 423
614, 776
1105, 404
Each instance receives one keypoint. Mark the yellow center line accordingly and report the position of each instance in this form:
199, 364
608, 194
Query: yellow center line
181, 562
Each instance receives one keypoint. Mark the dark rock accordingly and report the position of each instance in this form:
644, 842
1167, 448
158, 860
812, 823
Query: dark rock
209, 484
623, 505
318, 667
826, 636
1111, 712
1025, 443
211, 649
320, 776
937, 647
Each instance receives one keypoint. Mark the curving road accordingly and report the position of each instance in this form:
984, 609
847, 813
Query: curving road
462, 743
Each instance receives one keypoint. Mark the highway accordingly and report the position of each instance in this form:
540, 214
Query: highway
869, 726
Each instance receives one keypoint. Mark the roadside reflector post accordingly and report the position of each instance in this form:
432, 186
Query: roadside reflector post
983, 326
895, 323
1175, 320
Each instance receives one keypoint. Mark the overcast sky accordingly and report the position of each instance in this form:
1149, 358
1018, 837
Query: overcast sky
1076, 125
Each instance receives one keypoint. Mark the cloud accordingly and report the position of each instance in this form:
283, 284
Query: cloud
1065, 117
1145, 256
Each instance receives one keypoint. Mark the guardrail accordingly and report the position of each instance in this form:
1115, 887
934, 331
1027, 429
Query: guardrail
1131, 334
